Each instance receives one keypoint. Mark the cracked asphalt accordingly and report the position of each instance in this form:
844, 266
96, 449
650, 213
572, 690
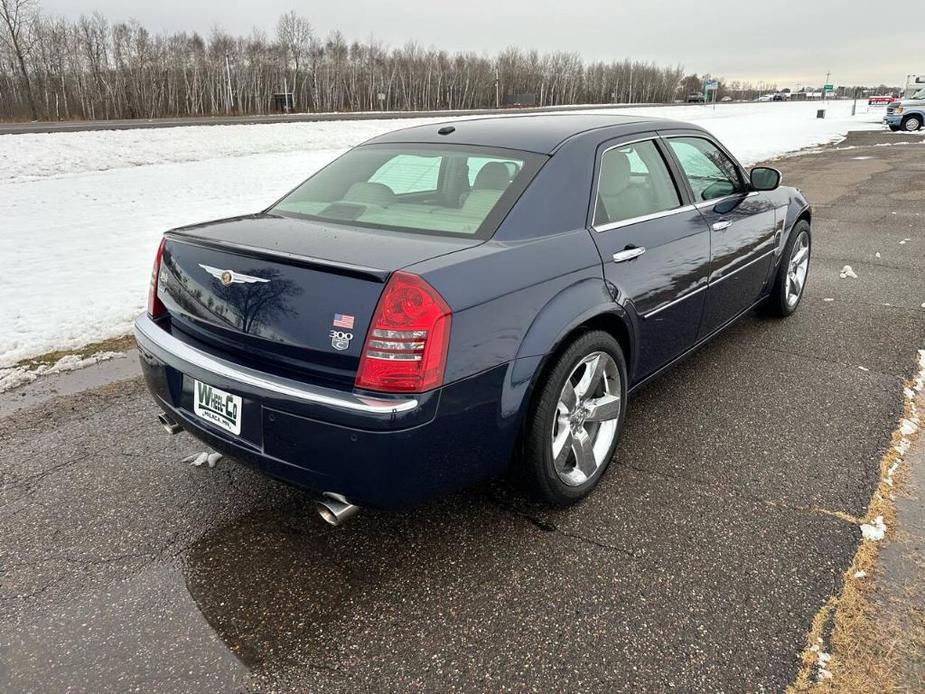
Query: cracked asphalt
697, 564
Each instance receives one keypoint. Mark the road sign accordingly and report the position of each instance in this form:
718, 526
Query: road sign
828, 88
710, 86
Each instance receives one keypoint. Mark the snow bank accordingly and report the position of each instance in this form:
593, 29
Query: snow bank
16, 376
82, 212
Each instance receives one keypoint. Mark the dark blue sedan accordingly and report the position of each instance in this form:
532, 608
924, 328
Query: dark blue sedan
446, 303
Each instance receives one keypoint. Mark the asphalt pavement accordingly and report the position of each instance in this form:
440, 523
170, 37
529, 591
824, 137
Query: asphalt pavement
697, 564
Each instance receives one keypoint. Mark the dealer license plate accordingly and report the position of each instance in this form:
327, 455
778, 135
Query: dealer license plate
218, 407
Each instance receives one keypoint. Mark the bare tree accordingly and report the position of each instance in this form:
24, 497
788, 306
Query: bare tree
18, 19
92, 69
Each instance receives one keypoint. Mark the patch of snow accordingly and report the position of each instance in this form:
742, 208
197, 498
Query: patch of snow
847, 272
828, 298
16, 376
874, 531
199, 459
904, 242
83, 211
860, 574
863, 368
822, 663
907, 426
877, 254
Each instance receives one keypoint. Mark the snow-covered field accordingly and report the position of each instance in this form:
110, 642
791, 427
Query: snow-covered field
81, 213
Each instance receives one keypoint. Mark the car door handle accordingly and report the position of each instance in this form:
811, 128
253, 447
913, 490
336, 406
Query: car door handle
722, 225
628, 254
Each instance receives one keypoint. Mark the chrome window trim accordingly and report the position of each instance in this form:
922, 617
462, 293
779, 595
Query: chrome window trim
643, 218
149, 334
717, 201
675, 301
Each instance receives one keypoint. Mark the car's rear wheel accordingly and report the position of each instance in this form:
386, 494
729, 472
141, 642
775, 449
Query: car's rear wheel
912, 123
792, 273
575, 419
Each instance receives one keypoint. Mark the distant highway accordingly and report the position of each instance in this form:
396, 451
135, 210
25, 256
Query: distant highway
138, 123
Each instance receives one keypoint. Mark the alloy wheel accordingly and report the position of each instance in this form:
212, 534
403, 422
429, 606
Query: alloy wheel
797, 269
586, 418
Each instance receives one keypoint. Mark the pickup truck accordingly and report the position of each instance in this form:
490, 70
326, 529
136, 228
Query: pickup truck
908, 114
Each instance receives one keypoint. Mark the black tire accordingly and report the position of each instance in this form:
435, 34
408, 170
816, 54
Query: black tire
777, 303
912, 123
894, 128
536, 469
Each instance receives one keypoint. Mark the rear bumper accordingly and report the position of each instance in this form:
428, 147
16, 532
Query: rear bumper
375, 450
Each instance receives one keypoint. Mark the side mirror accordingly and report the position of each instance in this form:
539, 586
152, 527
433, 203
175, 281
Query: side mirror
765, 178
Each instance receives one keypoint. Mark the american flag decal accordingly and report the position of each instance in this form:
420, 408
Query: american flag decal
342, 320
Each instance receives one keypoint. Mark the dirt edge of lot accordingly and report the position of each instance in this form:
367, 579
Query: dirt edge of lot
857, 643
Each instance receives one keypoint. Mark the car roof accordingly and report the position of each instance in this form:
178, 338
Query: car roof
542, 133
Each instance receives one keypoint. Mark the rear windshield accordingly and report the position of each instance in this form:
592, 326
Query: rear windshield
437, 189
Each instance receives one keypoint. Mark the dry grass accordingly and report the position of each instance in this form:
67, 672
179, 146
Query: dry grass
115, 344
863, 637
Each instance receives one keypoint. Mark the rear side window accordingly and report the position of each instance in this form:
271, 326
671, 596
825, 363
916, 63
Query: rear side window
709, 171
633, 182
443, 190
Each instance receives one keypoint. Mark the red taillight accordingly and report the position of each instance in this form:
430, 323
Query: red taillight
406, 346
155, 305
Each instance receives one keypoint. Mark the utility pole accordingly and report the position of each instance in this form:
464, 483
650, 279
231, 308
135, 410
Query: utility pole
824, 94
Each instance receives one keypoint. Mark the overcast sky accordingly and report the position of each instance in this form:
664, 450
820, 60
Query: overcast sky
785, 41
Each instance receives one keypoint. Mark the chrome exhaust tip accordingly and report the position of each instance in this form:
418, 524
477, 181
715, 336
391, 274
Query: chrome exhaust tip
334, 509
170, 426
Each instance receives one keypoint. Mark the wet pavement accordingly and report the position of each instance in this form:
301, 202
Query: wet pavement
697, 564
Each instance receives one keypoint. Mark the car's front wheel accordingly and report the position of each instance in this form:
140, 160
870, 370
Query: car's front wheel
894, 128
912, 123
792, 273
575, 419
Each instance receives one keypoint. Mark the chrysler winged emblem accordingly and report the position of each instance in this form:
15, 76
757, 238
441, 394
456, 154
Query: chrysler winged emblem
229, 277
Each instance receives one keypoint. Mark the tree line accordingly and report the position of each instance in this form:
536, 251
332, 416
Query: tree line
53, 68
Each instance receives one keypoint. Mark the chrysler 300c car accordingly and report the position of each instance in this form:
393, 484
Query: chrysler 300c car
442, 304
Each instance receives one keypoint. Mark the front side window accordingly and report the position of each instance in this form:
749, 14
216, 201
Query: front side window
709, 171
633, 182
441, 190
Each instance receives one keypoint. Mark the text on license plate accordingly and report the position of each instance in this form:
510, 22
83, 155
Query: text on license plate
221, 408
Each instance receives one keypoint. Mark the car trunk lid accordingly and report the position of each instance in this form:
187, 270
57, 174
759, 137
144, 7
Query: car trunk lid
285, 295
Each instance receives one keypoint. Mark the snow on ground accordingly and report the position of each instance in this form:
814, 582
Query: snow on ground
81, 212
16, 376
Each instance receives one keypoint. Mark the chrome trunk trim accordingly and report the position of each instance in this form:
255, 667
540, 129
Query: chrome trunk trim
152, 337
